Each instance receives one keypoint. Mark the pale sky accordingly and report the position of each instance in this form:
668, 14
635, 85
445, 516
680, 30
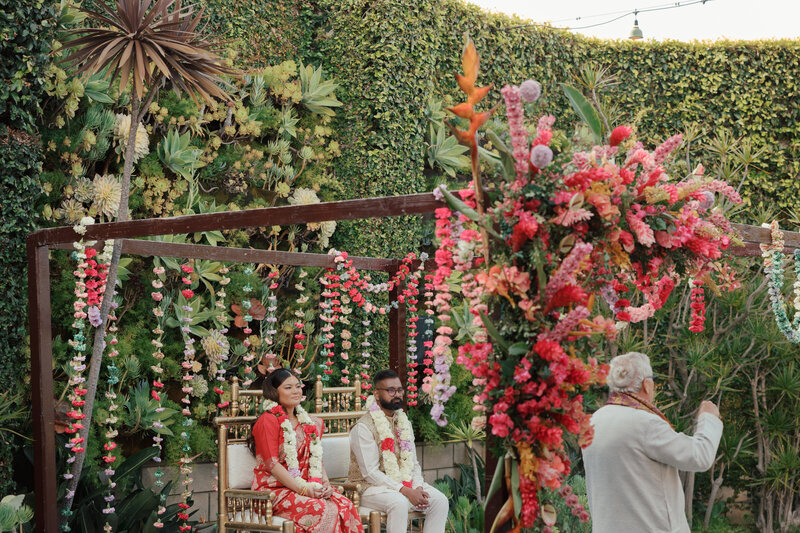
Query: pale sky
716, 19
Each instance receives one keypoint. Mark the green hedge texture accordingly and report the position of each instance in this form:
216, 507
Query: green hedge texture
25, 28
392, 57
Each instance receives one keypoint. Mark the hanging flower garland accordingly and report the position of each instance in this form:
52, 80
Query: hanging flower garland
185, 461
430, 310
216, 344
773, 266
366, 382
412, 318
89, 287
268, 325
290, 444
160, 311
112, 378
330, 311
403, 470
300, 346
246, 305
440, 387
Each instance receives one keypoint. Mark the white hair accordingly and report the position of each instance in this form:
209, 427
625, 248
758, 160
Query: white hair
628, 371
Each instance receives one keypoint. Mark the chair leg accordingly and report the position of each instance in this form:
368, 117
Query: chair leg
287, 527
375, 522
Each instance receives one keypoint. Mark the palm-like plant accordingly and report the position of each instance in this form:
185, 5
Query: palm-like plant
149, 43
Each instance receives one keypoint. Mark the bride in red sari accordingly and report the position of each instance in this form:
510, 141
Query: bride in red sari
300, 496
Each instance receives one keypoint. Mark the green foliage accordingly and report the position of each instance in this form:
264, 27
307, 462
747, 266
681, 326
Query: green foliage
26, 28
178, 155
136, 506
14, 513
20, 189
466, 514
318, 95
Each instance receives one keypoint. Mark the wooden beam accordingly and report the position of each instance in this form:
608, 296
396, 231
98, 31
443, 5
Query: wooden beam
387, 206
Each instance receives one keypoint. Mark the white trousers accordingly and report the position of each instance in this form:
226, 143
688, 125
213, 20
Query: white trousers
396, 506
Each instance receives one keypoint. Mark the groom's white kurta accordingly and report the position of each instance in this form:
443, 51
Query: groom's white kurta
383, 493
632, 469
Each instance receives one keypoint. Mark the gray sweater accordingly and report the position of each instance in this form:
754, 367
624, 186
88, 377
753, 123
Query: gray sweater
632, 469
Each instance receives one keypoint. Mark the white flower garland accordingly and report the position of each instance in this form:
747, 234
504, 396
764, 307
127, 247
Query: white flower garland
290, 445
402, 470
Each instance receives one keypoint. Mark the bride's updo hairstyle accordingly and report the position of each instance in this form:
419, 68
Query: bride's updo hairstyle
628, 371
274, 380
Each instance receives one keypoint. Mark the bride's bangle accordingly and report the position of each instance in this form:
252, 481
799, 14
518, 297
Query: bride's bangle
303, 490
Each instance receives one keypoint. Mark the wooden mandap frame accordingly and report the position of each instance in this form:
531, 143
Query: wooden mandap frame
39, 244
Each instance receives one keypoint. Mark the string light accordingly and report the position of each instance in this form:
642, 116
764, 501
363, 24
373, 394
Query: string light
617, 15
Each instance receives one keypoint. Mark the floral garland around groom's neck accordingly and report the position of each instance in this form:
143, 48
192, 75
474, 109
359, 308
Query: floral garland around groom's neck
402, 470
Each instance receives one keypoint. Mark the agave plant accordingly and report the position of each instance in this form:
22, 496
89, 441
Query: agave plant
177, 154
318, 95
145, 43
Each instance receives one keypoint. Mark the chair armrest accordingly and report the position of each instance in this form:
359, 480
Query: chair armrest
252, 494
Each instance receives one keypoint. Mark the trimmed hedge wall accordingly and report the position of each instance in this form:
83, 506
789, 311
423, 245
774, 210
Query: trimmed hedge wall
24, 47
391, 57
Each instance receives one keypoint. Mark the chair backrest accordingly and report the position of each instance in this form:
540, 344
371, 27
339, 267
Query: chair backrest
339, 407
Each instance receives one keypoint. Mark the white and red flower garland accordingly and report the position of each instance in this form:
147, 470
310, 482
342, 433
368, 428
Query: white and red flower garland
399, 470
290, 444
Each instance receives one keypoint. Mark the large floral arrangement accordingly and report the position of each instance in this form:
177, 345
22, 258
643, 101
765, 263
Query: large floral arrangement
566, 226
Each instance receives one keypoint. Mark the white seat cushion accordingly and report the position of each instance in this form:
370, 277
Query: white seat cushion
241, 463
336, 456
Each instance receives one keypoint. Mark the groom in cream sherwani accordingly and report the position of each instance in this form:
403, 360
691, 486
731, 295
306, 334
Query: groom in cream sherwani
384, 459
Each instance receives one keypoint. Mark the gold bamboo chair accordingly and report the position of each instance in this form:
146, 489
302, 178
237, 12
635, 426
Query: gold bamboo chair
242, 509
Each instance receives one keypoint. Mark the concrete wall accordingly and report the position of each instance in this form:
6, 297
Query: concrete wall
436, 460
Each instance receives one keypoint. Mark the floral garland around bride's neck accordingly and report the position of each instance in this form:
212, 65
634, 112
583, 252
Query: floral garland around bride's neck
402, 470
290, 444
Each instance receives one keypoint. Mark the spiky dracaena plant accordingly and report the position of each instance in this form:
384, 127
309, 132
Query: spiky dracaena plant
146, 44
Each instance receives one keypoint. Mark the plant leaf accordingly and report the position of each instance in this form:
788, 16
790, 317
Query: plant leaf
585, 110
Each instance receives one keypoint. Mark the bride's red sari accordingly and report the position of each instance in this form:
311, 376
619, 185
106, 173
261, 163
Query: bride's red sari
310, 515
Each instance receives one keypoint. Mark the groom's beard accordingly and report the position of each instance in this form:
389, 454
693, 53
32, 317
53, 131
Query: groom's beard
393, 405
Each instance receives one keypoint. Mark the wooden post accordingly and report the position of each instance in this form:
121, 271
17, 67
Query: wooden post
43, 409
397, 335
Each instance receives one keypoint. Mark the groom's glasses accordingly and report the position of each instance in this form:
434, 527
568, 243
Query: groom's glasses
395, 392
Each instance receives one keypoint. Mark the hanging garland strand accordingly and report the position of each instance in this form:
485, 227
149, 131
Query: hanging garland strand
185, 461
112, 378
413, 318
773, 266
160, 311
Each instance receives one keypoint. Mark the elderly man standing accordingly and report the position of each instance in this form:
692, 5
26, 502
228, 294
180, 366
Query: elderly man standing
383, 458
633, 462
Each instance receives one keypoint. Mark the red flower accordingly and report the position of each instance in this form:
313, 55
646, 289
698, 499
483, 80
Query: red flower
90, 252
187, 269
619, 134
187, 293
387, 445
